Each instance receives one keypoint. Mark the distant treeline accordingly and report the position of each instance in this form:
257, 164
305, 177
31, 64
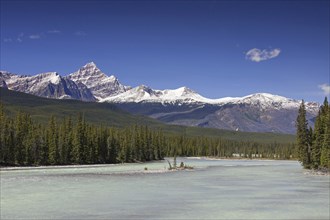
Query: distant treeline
23, 141
313, 145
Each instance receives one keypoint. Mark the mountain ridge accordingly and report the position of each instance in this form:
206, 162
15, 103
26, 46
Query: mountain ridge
48, 84
98, 82
91, 76
182, 106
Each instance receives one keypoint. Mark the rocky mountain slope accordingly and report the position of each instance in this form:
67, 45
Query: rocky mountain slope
49, 85
231, 116
101, 85
261, 112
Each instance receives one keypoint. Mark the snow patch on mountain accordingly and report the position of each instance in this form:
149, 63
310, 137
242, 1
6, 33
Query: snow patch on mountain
146, 94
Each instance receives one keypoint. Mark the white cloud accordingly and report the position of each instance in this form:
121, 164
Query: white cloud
257, 55
23, 36
54, 31
34, 36
325, 88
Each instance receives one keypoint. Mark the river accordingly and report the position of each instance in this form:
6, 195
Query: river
214, 189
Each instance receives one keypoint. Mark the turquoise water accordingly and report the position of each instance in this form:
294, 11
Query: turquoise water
215, 189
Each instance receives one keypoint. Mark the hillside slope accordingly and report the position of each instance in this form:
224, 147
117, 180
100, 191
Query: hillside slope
109, 115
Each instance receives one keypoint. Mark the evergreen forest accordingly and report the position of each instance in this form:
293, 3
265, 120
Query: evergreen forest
25, 142
313, 145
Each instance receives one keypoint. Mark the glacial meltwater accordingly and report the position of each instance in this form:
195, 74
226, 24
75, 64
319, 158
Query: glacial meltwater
214, 189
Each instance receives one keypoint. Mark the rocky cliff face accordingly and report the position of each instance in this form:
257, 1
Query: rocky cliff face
49, 85
101, 85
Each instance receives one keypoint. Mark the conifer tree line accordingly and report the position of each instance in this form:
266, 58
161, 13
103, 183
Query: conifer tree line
23, 141
313, 145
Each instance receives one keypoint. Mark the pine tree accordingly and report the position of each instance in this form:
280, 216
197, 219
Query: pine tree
318, 139
4, 148
303, 140
124, 151
37, 145
325, 150
43, 145
53, 154
21, 131
112, 148
78, 151
29, 145
68, 140
102, 146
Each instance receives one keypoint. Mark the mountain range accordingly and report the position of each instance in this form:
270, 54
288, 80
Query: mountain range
109, 115
260, 112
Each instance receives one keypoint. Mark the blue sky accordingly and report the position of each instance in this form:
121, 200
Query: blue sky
217, 48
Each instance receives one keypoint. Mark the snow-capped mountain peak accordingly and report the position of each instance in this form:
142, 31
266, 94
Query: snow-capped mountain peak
144, 93
182, 91
99, 83
253, 98
90, 64
266, 101
266, 97
144, 88
88, 73
182, 94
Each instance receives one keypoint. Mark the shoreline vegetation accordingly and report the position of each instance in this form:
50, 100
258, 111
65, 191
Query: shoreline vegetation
313, 144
